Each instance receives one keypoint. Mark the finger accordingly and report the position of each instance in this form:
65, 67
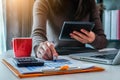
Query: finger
78, 38
39, 55
48, 49
81, 35
85, 32
52, 48
41, 52
90, 36
45, 57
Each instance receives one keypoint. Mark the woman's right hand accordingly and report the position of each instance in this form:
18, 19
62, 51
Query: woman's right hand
46, 50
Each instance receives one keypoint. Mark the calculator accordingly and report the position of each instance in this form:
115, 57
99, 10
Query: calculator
28, 61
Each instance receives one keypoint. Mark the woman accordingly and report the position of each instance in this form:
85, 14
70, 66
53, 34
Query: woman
48, 17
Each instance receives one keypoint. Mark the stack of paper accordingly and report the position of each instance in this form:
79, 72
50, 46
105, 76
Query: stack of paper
48, 66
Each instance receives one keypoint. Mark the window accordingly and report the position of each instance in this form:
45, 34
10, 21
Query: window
2, 31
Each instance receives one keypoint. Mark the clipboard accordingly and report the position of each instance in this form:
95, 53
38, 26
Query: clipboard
50, 73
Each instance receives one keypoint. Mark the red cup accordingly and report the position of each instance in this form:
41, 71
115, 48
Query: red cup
22, 47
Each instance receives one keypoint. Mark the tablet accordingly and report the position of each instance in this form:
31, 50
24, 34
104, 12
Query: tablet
70, 26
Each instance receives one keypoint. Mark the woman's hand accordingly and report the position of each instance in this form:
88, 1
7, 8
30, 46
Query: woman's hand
83, 36
46, 50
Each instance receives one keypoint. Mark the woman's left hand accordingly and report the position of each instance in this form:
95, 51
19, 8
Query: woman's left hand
83, 36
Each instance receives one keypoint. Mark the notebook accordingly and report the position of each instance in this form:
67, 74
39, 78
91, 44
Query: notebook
105, 57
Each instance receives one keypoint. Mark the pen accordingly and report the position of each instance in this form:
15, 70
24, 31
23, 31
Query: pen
54, 58
62, 68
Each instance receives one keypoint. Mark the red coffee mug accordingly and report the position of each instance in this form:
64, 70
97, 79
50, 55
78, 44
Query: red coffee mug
22, 47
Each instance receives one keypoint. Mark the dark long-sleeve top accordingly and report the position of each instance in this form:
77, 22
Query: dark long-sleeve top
47, 26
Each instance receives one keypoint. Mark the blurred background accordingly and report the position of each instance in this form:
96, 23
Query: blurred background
16, 20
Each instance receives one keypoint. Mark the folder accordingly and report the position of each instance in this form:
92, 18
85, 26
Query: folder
50, 73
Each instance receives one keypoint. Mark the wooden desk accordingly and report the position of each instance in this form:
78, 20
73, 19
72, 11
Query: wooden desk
110, 73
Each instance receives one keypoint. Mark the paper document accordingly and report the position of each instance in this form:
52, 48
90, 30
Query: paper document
49, 66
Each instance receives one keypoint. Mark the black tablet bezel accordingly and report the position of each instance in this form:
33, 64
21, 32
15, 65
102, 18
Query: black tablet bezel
70, 26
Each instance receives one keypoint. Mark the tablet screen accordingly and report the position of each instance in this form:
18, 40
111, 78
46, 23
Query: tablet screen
70, 26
